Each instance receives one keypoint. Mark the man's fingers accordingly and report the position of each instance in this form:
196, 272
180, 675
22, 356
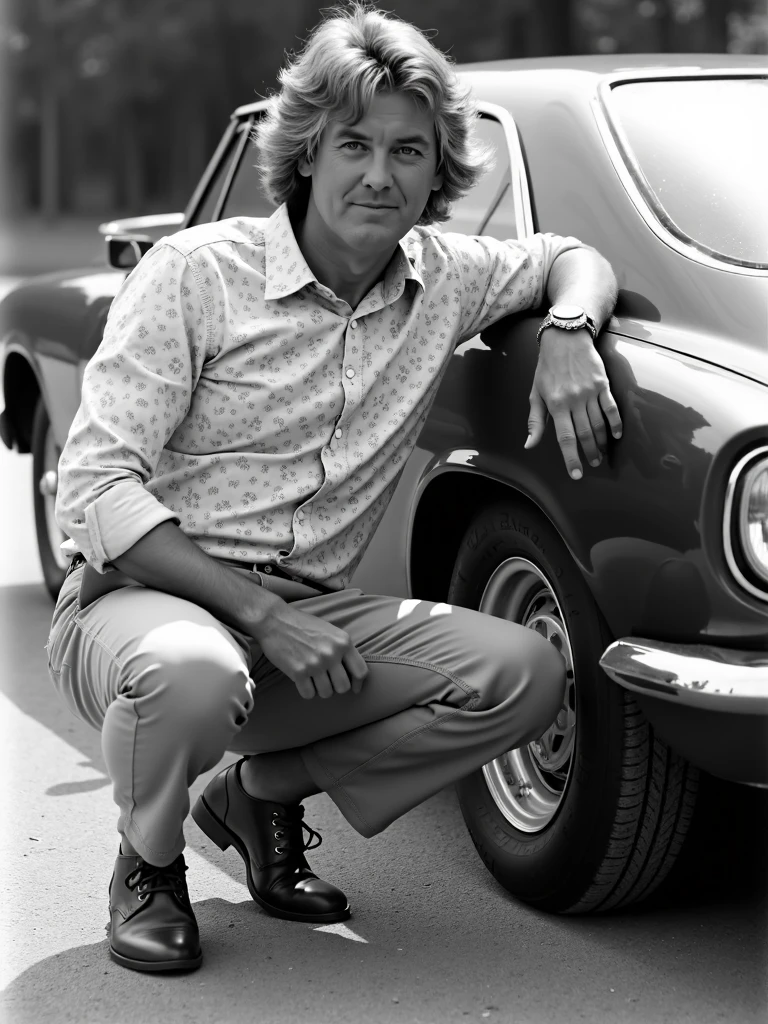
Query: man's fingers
323, 684
306, 687
597, 420
611, 411
586, 436
357, 669
537, 419
566, 438
339, 678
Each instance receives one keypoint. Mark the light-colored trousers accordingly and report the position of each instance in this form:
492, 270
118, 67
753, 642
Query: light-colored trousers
172, 689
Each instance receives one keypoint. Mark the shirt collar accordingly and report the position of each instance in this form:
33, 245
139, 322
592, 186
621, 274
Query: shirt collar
286, 270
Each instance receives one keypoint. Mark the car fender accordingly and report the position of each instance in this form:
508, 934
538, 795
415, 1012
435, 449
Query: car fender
639, 527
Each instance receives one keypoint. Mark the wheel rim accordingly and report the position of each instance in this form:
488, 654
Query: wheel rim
47, 485
528, 784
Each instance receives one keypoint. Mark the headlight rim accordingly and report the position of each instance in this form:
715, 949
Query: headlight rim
753, 462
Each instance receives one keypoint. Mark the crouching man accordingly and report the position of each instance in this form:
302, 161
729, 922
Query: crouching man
243, 424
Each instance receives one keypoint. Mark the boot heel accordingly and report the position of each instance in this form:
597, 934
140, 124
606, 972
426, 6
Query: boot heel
206, 821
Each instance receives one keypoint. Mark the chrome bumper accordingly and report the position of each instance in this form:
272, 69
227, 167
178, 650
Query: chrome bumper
713, 678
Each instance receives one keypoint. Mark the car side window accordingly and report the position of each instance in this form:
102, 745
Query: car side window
246, 197
206, 210
489, 208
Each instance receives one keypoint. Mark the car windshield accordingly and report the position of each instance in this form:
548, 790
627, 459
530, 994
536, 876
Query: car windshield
698, 149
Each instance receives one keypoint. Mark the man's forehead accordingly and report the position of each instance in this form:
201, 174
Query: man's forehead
388, 112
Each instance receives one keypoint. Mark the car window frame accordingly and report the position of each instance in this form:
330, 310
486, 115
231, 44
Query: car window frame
518, 175
632, 177
230, 148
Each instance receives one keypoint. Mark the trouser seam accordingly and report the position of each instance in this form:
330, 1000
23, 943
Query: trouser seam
344, 795
92, 636
396, 743
428, 666
131, 820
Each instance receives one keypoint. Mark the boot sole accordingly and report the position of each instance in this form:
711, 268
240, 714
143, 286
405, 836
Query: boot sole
158, 965
218, 833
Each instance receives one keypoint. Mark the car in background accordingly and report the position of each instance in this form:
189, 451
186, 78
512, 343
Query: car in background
650, 575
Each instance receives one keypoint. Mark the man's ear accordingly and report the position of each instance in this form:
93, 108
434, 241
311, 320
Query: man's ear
304, 166
437, 182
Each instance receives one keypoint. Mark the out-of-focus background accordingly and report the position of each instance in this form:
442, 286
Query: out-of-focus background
113, 107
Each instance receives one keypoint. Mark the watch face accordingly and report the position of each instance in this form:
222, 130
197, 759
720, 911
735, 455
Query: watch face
565, 312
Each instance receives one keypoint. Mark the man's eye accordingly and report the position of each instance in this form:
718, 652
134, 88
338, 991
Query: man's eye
409, 151
354, 145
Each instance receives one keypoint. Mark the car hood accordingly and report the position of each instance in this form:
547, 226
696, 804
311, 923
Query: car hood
67, 307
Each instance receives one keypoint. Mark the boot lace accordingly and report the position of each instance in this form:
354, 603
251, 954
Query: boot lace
150, 879
289, 827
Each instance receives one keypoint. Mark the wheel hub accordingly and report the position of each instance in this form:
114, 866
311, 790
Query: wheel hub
528, 784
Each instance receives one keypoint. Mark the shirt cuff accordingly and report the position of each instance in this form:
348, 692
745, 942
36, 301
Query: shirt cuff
119, 518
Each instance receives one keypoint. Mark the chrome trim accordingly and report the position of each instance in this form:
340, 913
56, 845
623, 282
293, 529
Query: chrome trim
696, 675
520, 194
250, 108
129, 225
610, 131
244, 127
730, 492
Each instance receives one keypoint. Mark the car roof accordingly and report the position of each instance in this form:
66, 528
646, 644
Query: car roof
588, 69
609, 64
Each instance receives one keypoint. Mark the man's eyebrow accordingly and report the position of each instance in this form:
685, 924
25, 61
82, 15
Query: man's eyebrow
347, 131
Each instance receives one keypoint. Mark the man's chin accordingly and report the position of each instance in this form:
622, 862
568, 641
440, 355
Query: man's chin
372, 237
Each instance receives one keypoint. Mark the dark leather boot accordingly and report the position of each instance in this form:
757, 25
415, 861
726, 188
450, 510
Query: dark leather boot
152, 925
269, 838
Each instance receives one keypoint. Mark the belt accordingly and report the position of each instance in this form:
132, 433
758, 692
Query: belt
268, 568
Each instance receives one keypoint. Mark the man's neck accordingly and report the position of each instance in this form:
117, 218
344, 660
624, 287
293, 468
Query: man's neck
349, 274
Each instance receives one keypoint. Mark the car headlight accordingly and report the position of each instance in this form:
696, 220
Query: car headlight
753, 518
745, 524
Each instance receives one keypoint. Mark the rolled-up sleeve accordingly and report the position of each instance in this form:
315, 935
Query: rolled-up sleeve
498, 278
136, 391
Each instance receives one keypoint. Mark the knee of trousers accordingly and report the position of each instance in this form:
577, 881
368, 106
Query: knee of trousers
528, 678
190, 673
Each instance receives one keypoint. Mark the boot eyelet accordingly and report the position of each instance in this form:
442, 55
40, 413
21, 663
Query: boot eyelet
279, 834
143, 896
279, 849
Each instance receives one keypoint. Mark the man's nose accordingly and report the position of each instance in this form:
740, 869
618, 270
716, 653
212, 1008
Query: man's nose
378, 173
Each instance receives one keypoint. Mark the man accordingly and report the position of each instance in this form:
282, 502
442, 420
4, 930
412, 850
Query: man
243, 424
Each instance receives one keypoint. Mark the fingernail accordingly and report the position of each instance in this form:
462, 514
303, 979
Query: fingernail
617, 433
527, 441
576, 474
595, 462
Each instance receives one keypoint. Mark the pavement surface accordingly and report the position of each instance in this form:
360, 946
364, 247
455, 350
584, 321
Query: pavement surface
433, 938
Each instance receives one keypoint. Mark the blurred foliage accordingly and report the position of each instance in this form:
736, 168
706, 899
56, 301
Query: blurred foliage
115, 105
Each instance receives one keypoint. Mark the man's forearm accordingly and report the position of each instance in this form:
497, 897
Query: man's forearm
583, 277
166, 559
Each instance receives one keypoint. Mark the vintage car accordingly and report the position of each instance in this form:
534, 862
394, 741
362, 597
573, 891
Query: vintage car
650, 575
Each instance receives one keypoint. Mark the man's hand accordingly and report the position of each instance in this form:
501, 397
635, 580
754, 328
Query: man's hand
319, 658
571, 383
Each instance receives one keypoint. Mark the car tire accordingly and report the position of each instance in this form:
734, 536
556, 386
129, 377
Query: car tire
45, 457
593, 816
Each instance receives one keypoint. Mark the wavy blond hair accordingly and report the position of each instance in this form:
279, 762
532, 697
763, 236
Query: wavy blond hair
349, 58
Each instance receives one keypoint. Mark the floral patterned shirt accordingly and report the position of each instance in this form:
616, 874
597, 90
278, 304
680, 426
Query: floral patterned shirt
237, 396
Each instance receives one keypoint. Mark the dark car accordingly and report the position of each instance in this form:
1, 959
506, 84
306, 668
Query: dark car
650, 574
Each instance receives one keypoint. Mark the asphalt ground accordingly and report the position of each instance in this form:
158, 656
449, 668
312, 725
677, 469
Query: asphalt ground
433, 938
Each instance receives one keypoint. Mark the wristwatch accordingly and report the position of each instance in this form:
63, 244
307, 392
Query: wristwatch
568, 318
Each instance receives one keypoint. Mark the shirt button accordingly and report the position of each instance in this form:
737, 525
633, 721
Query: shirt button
353, 324
350, 372
337, 433
300, 515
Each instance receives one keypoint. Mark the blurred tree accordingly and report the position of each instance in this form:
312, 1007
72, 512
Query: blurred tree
117, 104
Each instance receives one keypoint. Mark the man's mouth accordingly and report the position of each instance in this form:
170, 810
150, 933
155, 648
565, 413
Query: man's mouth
375, 206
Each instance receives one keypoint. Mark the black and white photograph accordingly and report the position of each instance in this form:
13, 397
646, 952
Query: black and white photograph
384, 511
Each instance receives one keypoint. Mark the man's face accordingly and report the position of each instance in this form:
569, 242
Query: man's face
371, 180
